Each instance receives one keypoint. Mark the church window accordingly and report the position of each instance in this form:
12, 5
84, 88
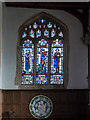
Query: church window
42, 53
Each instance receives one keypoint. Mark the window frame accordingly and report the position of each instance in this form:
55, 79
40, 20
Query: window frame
18, 77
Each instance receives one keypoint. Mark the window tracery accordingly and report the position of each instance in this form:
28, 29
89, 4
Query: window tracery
42, 53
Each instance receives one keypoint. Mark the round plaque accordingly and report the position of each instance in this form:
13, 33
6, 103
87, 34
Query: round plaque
41, 107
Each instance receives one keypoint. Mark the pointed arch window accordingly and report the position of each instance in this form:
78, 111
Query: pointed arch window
42, 53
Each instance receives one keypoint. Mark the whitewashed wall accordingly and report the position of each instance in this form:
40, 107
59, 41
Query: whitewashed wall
0, 45
78, 56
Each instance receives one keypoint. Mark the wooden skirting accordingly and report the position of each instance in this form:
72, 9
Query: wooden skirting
67, 104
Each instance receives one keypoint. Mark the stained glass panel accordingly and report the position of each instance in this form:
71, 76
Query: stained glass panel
27, 62
35, 25
46, 33
24, 35
38, 33
42, 62
42, 21
49, 25
31, 33
54, 25
53, 32
61, 34
30, 26
57, 62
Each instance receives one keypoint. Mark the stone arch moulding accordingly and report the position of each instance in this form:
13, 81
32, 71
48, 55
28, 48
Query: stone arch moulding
18, 77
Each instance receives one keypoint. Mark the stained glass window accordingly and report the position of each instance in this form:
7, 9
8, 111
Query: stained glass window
24, 35
27, 62
35, 25
38, 33
49, 25
31, 33
42, 50
53, 32
46, 33
57, 62
61, 34
42, 62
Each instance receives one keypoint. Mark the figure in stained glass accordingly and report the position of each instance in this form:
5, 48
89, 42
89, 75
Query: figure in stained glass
27, 61
42, 62
57, 60
42, 66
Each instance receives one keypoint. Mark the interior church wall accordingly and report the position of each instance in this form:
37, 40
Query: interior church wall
12, 18
0, 44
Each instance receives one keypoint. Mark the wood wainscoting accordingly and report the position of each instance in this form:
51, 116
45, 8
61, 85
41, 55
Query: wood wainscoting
67, 104
0, 104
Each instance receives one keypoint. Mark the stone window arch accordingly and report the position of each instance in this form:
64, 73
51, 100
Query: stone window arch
42, 53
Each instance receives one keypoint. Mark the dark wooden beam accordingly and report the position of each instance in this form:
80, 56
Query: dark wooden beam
49, 5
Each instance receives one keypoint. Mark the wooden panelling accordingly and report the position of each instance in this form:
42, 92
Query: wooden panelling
0, 104
67, 104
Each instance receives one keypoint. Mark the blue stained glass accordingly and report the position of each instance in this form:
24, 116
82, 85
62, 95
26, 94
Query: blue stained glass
57, 62
53, 32
35, 25
24, 35
49, 25
46, 33
42, 21
38, 33
27, 62
42, 62
61, 34
31, 33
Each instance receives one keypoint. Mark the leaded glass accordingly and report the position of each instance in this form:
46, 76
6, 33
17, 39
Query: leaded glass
49, 25
61, 34
54, 25
25, 28
42, 21
27, 62
46, 33
58, 28
35, 25
31, 33
53, 32
24, 35
40, 26
42, 62
38, 33
44, 26
30, 26
57, 62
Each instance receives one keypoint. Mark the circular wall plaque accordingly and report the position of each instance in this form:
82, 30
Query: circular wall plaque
41, 107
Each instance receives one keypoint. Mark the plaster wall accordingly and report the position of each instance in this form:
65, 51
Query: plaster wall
78, 52
0, 45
